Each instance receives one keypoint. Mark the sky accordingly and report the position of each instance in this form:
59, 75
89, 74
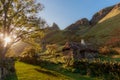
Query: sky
66, 12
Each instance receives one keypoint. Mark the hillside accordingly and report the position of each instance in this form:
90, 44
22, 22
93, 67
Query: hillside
107, 29
103, 28
115, 11
78, 24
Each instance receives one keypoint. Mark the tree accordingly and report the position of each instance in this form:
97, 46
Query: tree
18, 20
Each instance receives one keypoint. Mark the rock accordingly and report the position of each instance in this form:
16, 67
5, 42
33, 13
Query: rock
76, 25
83, 21
53, 27
95, 19
99, 15
117, 6
102, 13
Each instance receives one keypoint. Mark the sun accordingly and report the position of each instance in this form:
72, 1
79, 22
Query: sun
7, 40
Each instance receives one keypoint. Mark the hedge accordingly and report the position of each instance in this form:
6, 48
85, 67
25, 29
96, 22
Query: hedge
104, 69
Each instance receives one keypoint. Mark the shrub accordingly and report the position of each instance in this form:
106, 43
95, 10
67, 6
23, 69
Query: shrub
29, 55
107, 51
107, 70
51, 49
104, 50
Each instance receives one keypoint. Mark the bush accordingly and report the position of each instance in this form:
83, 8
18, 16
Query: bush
108, 51
29, 55
104, 50
107, 70
80, 67
51, 49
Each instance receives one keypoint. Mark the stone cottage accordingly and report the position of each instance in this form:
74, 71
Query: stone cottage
79, 50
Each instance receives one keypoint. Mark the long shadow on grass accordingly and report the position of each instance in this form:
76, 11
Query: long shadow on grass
12, 77
50, 66
58, 68
46, 72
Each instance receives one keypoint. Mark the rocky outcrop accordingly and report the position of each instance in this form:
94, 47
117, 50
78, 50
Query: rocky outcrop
99, 15
78, 24
83, 21
54, 27
95, 19
117, 6
50, 31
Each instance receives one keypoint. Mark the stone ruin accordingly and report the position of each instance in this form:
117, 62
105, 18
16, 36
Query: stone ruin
79, 50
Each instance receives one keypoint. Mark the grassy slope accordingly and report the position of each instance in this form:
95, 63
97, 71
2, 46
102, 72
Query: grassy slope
30, 72
112, 13
105, 30
56, 37
62, 36
100, 33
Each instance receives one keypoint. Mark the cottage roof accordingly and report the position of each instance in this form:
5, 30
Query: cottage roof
79, 46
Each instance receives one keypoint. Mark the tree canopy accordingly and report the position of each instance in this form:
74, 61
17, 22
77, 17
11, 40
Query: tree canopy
18, 21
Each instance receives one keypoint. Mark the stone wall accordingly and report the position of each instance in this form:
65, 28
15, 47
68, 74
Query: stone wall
6, 68
80, 51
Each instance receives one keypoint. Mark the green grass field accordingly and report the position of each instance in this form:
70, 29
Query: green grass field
31, 72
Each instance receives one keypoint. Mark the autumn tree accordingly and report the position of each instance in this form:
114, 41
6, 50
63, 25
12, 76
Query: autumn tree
18, 21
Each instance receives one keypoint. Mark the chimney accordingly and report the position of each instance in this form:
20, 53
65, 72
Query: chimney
82, 42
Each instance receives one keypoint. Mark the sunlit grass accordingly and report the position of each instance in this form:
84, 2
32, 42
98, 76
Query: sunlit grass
52, 72
112, 13
102, 32
31, 72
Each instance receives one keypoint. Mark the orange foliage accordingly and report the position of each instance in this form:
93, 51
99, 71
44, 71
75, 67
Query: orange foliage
104, 50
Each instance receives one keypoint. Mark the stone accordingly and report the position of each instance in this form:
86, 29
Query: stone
53, 27
79, 51
99, 15
78, 24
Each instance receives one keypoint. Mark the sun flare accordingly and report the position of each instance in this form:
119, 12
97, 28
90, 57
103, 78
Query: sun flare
7, 40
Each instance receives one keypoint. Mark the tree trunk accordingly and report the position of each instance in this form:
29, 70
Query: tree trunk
3, 51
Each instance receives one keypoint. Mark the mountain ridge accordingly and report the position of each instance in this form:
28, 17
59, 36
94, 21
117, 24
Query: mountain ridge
96, 18
99, 30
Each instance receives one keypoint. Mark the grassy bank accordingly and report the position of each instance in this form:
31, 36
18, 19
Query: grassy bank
52, 72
